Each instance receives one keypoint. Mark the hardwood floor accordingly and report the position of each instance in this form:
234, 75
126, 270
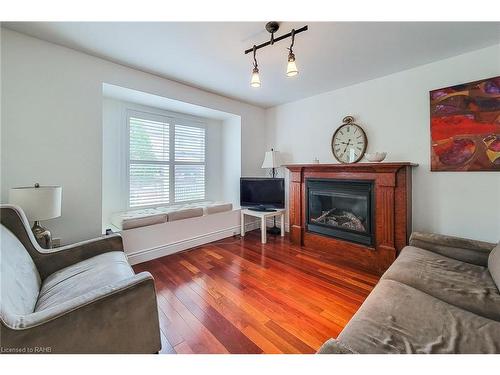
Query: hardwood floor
239, 296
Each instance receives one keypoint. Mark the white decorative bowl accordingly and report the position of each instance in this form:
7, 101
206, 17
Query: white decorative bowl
375, 156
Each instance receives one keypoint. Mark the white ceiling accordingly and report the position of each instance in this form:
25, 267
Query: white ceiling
209, 55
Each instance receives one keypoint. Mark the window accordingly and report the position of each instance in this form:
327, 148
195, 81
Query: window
166, 160
189, 163
149, 162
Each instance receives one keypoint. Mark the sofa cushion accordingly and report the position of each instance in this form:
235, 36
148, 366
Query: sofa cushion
181, 212
186, 213
138, 218
464, 285
84, 277
20, 281
397, 318
216, 207
333, 346
494, 265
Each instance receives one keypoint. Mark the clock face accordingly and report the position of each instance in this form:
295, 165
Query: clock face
349, 143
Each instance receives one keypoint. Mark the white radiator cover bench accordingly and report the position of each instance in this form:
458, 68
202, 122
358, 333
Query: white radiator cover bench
156, 232
150, 216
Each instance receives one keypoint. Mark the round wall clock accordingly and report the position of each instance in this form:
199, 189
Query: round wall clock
349, 142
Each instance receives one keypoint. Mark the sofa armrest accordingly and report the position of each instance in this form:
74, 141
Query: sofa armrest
50, 261
118, 318
465, 250
334, 346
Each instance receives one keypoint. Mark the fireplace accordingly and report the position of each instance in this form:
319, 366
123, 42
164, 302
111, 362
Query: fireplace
366, 210
341, 209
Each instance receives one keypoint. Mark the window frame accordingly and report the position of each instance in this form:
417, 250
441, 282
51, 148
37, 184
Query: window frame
171, 119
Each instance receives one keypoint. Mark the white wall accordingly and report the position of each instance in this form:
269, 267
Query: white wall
114, 175
214, 171
231, 160
394, 112
52, 124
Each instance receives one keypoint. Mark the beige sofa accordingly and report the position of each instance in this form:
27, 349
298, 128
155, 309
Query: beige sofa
441, 295
83, 298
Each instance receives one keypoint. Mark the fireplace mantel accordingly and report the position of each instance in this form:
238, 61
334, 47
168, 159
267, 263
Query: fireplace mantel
360, 167
392, 184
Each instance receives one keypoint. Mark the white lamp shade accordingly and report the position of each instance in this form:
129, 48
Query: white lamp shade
255, 81
38, 203
291, 68
272, 160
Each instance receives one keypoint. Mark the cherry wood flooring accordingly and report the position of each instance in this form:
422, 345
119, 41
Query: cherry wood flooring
240, 296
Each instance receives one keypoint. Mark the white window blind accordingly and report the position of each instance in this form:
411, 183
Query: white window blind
189, 144
167, 163
189, 163
149, 170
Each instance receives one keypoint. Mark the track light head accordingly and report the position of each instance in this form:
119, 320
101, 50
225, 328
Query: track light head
291, 68
255, 81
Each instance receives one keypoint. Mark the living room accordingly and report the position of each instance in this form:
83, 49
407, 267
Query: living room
265, 187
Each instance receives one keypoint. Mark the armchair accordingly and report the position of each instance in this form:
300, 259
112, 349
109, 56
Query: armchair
82, 298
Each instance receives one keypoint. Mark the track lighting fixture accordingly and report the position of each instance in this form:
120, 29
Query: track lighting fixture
291, 69
255, 81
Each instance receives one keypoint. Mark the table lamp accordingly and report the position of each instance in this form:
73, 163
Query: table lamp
272, 161
38, 203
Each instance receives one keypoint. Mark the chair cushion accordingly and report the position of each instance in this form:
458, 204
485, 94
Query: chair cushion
20, 281
464, 285
396, 318
138, 218
83, 277
494, 265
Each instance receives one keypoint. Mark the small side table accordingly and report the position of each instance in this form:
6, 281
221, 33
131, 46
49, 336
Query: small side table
263, 215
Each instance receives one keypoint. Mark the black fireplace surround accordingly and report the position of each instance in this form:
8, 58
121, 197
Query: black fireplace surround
341, 209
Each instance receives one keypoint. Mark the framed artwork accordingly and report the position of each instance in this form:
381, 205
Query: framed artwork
465, 127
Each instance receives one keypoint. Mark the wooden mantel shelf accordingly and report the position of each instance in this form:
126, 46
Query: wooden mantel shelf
368, 167
392, 187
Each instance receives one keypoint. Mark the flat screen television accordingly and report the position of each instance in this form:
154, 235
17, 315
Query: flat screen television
262, 193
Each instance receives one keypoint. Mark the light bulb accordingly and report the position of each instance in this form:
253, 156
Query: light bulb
255, 81
291, 68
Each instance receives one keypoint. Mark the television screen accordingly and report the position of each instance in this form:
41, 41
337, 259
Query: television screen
262, 192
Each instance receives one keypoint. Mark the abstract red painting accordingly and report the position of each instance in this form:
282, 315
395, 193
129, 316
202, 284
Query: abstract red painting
465, 127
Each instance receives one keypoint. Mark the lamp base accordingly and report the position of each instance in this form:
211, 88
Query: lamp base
274, 230
42, 235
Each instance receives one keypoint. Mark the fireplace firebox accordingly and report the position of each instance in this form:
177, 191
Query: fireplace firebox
341, 209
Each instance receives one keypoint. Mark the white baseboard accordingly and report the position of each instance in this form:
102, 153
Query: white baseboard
174, 247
